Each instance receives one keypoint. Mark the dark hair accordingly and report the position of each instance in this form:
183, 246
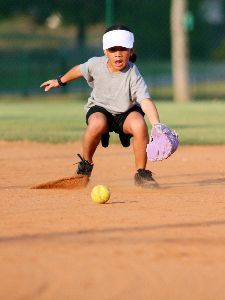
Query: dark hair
133, 56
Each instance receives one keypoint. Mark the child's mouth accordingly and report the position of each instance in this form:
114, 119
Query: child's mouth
118, 63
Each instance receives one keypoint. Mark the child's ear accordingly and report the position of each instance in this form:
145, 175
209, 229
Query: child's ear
105, 52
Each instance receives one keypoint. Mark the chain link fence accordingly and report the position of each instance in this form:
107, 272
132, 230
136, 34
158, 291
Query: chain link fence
31, 54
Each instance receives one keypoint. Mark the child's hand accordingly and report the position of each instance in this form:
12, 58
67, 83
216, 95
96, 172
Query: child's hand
48, 85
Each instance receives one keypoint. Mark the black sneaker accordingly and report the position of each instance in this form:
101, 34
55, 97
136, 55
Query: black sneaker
84, 166
144, 178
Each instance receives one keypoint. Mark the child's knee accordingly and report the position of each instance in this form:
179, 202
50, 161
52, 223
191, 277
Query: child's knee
98, 125
140, 128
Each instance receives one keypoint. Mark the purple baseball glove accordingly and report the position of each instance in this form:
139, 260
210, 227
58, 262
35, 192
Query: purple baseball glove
164, 142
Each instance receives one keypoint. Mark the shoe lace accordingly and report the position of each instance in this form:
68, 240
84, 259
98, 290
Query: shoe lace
83, 161
81, 158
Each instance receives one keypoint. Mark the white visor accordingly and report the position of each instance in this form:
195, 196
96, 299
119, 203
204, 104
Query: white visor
122, 38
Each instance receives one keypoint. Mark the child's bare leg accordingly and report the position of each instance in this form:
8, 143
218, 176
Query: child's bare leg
135, 125
97, 125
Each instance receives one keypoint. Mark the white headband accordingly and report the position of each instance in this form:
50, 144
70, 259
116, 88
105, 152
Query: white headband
121, 38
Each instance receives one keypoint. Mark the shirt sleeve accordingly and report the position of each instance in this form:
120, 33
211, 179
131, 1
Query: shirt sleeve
87, 70
139, 88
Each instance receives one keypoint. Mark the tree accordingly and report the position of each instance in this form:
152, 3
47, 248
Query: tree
179, 41
79, 13
149, 20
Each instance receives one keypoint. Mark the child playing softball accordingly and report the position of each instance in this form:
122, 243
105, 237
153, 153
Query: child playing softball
118, 102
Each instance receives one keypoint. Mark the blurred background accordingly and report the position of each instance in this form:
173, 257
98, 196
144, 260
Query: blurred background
40, 40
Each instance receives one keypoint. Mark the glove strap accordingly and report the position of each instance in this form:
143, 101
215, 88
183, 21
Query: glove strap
159, 127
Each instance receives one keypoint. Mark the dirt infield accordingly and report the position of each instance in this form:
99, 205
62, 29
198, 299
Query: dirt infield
158, 244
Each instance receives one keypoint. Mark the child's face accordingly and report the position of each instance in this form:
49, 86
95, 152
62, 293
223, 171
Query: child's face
118, 58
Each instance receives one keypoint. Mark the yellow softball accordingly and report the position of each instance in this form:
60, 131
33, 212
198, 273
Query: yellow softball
100, 194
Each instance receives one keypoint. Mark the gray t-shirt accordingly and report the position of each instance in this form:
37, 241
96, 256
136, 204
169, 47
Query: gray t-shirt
117, 92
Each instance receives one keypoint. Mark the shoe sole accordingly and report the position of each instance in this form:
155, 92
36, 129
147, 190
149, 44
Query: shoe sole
146, 184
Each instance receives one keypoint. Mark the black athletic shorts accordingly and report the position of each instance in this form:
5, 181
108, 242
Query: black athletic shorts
115, 121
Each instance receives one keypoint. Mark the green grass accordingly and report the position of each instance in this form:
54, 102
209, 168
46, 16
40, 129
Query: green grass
197, 123
59, 119
41, 119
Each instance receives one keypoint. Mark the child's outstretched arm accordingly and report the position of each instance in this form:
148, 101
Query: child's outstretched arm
150, 111
72, 74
